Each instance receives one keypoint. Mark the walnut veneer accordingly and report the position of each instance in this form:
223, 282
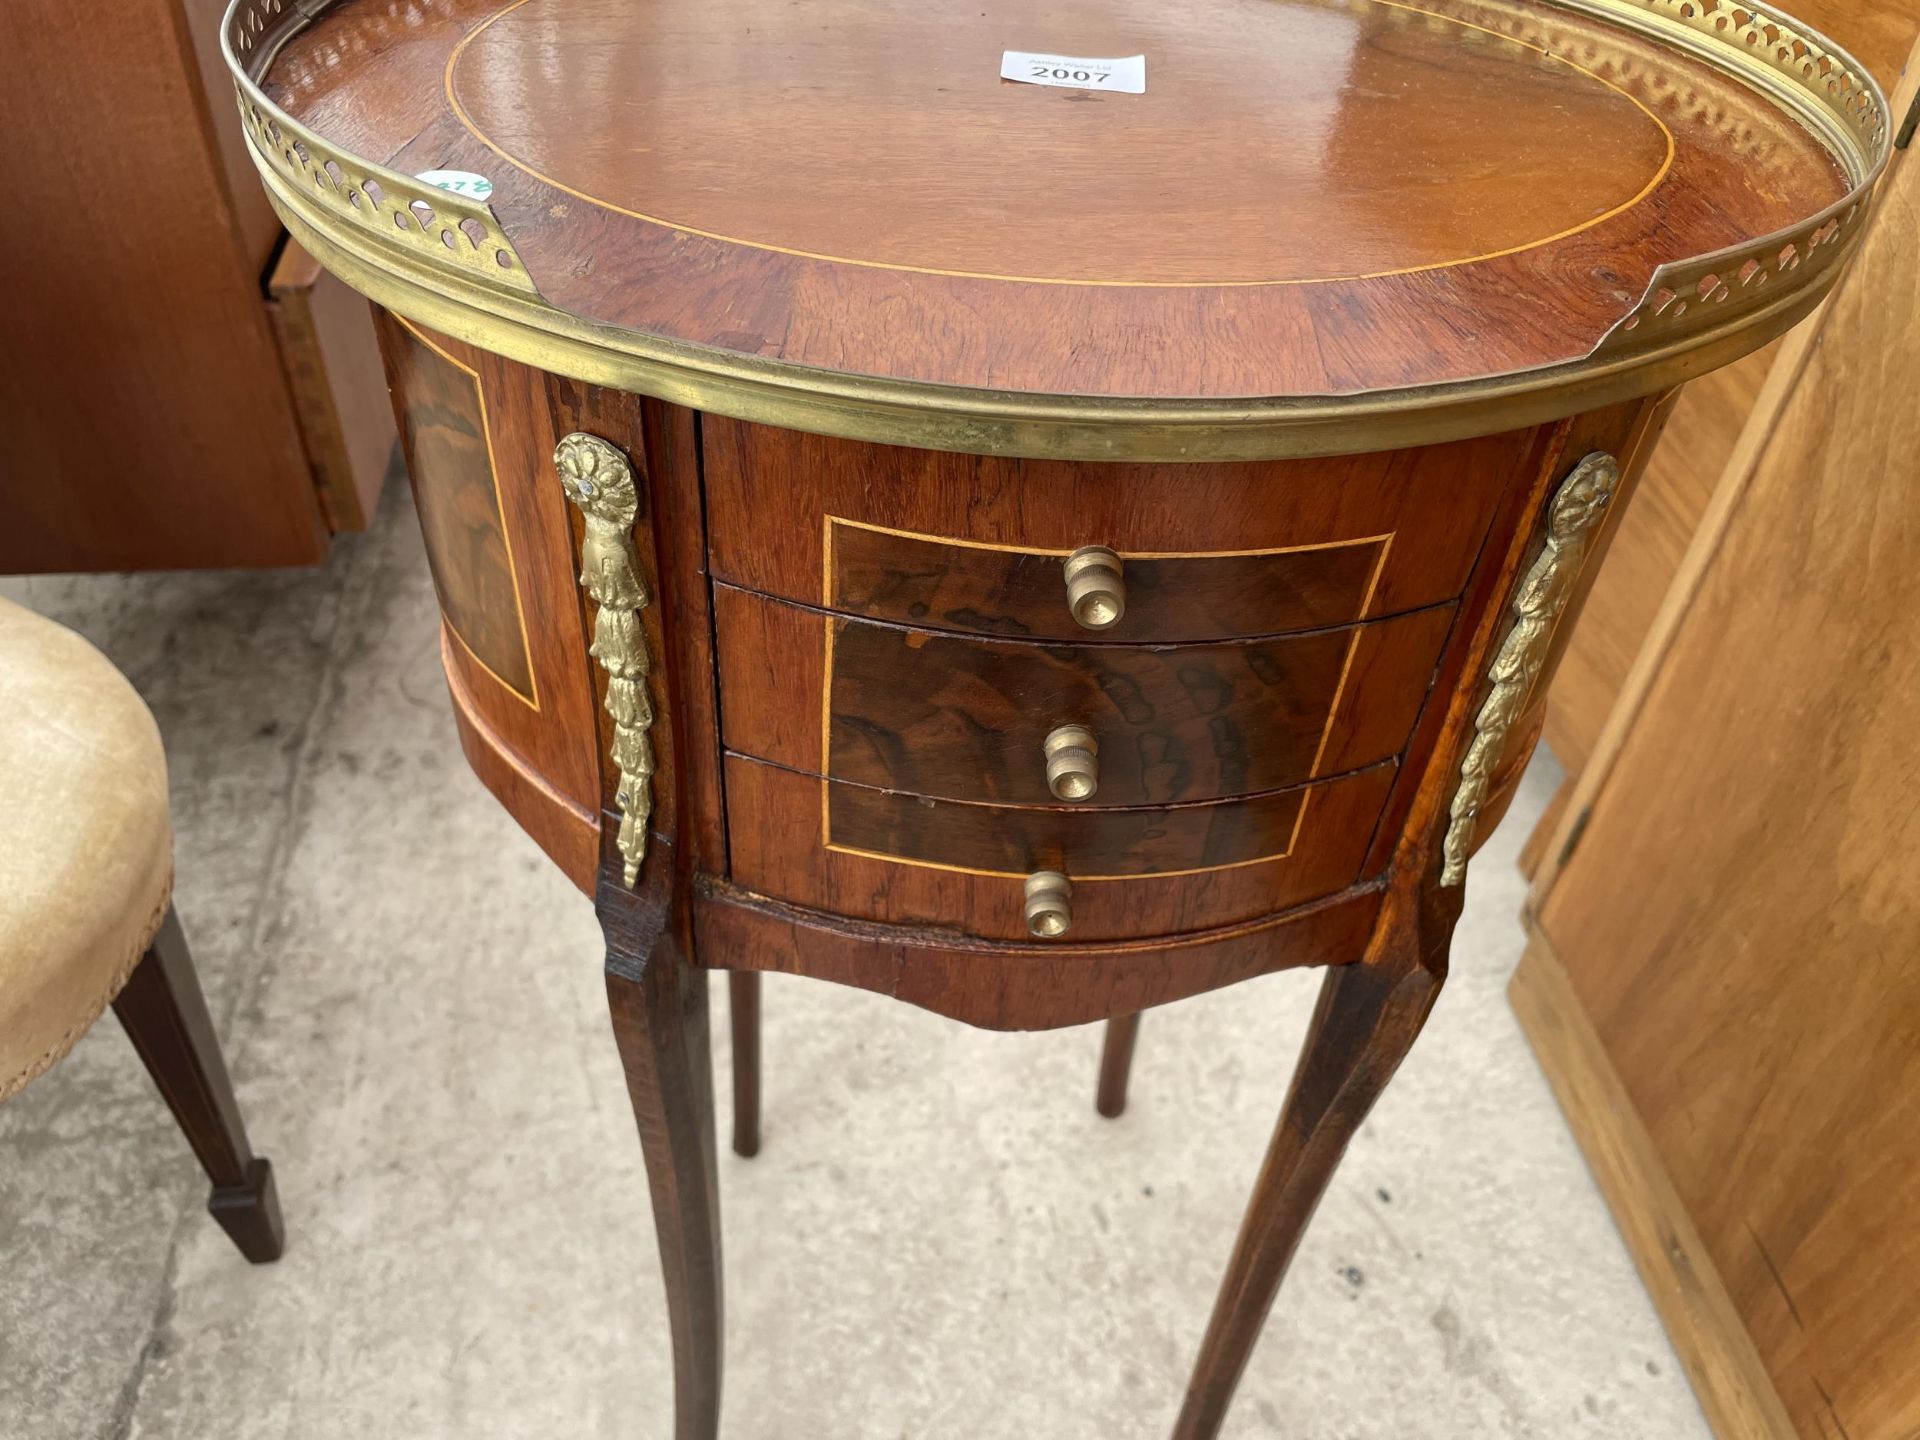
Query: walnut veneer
1037, 554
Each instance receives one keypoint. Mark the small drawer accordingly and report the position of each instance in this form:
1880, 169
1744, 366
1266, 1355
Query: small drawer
965, 718
980, 545
995, 590
1016, 840
1131, 873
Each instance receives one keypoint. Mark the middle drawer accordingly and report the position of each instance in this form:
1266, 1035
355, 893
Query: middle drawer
967, 718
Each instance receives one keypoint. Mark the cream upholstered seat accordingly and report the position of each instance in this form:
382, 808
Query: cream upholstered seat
86, 853
86, 912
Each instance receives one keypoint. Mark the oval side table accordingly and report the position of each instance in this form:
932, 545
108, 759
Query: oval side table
1035, 550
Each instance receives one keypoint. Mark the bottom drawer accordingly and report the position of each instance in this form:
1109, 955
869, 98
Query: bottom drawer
906, 859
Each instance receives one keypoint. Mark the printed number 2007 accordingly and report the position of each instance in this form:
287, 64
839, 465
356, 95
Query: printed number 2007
1060, 72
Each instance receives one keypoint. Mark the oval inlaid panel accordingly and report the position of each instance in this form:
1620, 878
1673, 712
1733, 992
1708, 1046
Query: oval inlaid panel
1237, 164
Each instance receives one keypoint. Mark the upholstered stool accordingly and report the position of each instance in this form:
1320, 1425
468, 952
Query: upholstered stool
86, 878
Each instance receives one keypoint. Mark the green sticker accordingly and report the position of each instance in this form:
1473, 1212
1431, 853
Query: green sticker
460, 182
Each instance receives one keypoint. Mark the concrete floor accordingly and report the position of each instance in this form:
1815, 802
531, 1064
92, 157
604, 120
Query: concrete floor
940, 1238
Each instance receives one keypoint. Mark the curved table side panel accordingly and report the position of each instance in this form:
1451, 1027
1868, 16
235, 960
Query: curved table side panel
478, 434
567, 831
1624, 431
1022, 986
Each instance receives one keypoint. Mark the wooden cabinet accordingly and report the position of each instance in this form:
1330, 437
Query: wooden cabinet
179, 386
792, 487
1721, 981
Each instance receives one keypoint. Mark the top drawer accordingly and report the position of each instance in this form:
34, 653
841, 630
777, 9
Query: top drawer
977, 544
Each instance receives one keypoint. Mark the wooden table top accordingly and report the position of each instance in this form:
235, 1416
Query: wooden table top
1311, 198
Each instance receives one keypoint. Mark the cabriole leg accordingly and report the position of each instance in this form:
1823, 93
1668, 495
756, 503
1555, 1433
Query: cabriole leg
1367, 1017
658, 1001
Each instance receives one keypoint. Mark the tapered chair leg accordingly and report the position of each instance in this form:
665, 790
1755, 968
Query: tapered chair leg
1367, 1016
1116, 1061
658, 1002
743, 1010
165, 1015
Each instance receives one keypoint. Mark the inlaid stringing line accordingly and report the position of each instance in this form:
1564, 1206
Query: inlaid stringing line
1660, 174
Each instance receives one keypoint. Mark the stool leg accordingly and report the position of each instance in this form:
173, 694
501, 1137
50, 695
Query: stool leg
1116, 1061
658, 1001
1367, 1017
743, 1010
165, 1015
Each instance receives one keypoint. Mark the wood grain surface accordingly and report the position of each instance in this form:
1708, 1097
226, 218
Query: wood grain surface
775, 819
254, 221
997, 590
1310, 199
966, 718
1758, 999
1021, 986
530, 736
1653, 533
1084, 844
147, 420
1362, 598
788, 511
683, 613
448, 443
1694, 450
994, 176
1676, 1266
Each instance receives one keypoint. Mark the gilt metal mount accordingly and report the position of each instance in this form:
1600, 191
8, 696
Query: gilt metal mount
1542, 595
599, 481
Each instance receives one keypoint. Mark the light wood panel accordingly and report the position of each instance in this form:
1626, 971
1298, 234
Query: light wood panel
1877, 33
1680, 478
1727, 1373
1757, 1001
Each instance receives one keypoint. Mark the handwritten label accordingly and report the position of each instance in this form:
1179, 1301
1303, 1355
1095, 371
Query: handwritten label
460, 182
1075, 72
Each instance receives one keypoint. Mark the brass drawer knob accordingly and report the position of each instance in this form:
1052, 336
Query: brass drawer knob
1094, 591
1049, 904
1073, 766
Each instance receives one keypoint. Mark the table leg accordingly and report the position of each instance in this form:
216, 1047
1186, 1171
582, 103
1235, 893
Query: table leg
1116, 1062
658, 1001
743, 1010
1367, 1017
164, 1013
